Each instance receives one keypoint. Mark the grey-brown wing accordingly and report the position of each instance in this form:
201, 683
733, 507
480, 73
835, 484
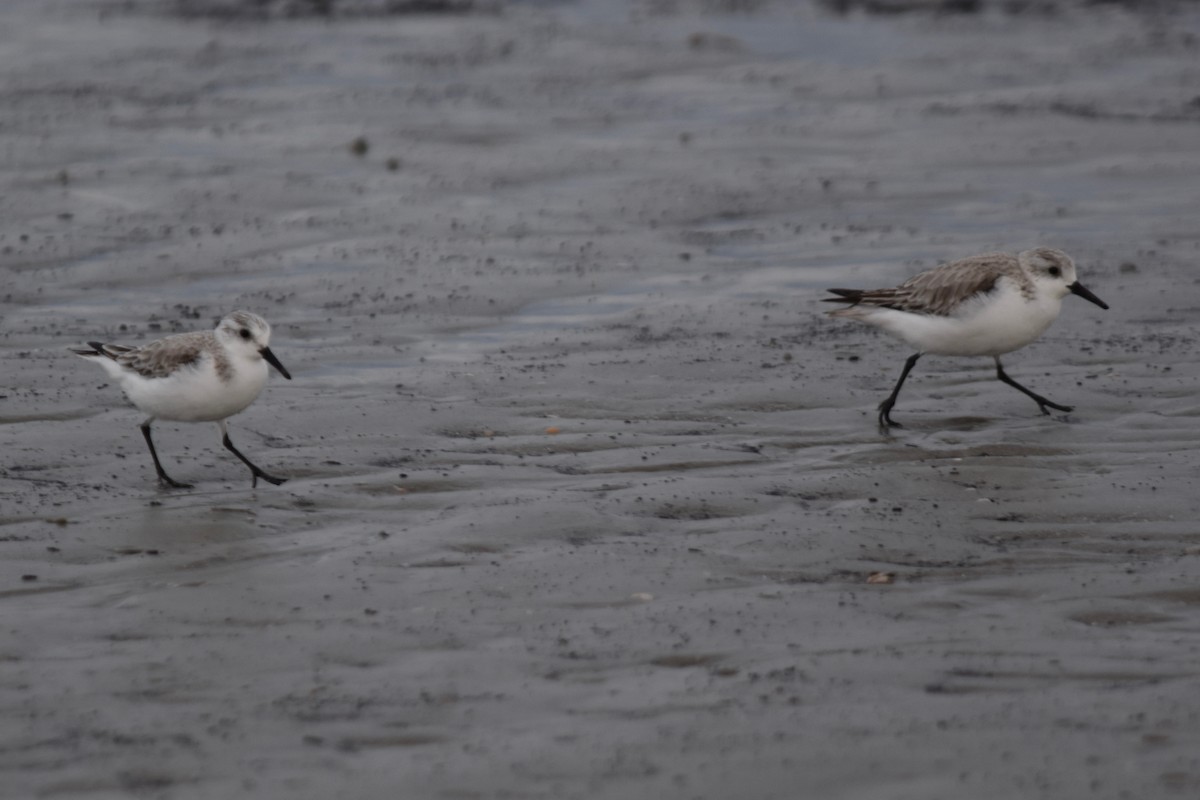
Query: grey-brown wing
941, 290
160, 359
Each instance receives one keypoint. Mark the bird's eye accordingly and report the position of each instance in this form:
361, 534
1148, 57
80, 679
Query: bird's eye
1055, 271
245, 334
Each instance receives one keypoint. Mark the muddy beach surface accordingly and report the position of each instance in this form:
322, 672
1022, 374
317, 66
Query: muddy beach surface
585, 490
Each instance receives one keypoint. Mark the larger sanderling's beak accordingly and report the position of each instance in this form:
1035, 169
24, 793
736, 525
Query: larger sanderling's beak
274, 362
1081, 290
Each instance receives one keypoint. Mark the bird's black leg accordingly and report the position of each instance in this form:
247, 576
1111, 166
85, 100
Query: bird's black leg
163, 477
254, 470
885, 408
1037, 398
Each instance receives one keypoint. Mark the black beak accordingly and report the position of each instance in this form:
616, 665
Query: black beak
274, 362
1079, 289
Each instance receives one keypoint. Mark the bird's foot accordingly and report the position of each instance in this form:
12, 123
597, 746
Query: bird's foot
167, 482
271, 479
885, 418
1043, 403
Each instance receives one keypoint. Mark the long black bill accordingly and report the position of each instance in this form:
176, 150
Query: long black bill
1076, 288
274, 362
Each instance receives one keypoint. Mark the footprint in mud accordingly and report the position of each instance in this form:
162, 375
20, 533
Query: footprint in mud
402, 487
693, 511
686, 660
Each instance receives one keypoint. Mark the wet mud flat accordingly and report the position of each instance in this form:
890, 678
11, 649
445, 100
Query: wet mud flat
585, 491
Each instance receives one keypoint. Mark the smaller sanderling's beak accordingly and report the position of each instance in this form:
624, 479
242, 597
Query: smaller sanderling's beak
1076, 288
274, 362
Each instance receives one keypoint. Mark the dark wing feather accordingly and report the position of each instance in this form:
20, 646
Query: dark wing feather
851, 296
110, 351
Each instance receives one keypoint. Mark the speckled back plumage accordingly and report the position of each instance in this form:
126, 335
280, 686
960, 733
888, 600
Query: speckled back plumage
160, 358
942, 290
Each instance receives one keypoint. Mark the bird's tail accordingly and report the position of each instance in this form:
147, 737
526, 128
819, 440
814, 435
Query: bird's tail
99, 349
851, 297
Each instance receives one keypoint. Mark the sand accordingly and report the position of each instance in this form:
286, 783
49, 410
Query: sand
585, 490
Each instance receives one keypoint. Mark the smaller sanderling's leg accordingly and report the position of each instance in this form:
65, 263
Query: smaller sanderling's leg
255, 472
163, 477
885, 408
1037, 398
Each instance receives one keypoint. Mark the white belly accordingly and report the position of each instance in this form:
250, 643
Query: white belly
989, 327
197, 394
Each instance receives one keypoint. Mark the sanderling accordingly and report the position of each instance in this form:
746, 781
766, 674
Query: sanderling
985, 305
206, 376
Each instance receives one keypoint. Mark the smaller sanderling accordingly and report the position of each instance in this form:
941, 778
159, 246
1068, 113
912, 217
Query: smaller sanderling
985, 305
205, 376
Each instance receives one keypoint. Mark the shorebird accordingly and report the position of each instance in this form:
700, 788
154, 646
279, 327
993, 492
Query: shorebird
205, 376
985, 305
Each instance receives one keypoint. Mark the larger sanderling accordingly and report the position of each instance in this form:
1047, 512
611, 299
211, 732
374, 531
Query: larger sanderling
206, 376
985, 305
